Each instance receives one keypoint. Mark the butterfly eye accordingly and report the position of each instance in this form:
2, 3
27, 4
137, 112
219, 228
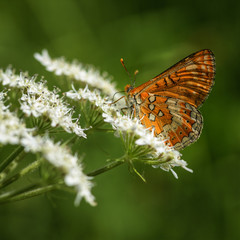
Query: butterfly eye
128, 88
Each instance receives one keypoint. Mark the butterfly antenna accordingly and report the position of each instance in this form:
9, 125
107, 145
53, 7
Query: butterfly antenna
134, 79
135, 73
121, 60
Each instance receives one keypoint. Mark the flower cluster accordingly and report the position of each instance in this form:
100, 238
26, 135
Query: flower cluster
78, 72
37, 101
14, 131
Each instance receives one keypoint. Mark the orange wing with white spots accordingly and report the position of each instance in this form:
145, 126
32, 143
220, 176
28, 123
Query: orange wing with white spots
177, 121
190, 79
168, 103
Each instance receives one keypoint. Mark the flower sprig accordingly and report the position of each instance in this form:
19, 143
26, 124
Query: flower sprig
14, 131
78, 72
37, 100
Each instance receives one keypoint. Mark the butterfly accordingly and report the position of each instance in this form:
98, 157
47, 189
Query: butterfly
168, 104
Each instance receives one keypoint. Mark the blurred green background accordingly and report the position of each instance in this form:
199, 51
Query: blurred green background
151, 36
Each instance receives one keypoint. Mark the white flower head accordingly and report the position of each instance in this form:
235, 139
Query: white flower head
78, 72
37, 100
14, 131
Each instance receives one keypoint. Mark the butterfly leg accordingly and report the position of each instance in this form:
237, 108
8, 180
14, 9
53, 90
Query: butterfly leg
119, 100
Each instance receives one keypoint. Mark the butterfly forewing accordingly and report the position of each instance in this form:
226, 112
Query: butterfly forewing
190, 79
168, 103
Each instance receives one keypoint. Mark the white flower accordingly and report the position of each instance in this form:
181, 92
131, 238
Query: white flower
38, 101
77, 71
13, 131
74, 177
10, 126
174, 162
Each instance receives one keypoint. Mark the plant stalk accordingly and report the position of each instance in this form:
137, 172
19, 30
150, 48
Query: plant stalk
106, 168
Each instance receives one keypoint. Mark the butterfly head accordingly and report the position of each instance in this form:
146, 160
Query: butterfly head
128, 88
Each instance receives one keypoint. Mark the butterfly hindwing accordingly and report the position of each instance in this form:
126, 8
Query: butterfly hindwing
177, 121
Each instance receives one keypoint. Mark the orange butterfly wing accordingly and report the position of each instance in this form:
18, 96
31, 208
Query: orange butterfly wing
168, 103
177, 121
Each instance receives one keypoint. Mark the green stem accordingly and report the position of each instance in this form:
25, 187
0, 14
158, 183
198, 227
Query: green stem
157, 161
10, 158
106, 168
24, 171
16, 196
11, 166
36, 189
70, 140
104, 130
140, 151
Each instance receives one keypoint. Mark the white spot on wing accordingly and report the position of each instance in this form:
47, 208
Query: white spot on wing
160, 113
152, 99
178, 146
167, 128
138, 100
191, 67
151, 106
151, 117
